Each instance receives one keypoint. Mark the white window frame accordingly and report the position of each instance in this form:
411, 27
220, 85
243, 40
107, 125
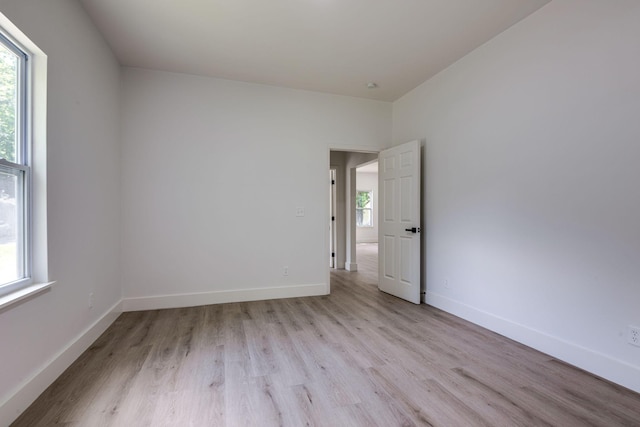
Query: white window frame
363, 209
21, 167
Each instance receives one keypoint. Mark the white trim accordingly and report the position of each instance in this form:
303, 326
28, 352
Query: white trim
351, 266
607, 367
29, 390
220, 297
333, 220
327, 255
23, 293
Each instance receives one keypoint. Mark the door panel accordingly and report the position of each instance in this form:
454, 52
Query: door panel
399, 252
389, 258
389, 207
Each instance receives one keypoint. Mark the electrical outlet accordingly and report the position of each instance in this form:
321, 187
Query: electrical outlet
90, 299
634, 335
285, 271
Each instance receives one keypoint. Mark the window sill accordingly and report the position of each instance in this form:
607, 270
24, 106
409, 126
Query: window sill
15, 297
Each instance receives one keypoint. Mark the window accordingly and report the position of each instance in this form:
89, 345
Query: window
15, 169
364, 211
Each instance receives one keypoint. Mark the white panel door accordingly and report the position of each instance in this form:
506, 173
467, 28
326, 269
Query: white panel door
399, 221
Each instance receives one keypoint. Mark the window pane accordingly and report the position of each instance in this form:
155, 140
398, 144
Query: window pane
363, 218
363, 199
11, 227
366, 218
364, 205
8, 104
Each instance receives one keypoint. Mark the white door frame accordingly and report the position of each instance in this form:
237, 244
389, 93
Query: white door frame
351, 263
333, 250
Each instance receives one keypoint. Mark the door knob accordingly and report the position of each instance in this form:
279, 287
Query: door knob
413, 229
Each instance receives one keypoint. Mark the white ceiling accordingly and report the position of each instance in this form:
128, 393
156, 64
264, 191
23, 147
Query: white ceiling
333, 46
369, 168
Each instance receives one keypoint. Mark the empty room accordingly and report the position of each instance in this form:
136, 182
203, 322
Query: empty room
187, 237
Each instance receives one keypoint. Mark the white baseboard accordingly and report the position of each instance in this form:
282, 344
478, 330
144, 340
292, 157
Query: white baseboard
351, 266
612, 369
220, 297
374, 240
29, 390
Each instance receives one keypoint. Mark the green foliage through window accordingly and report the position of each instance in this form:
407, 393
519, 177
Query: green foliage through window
364, 212
363, 198
8, 103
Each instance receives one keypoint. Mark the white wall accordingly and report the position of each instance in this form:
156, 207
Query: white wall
368, 181
83, 203
532, 196
214, 171
531, 188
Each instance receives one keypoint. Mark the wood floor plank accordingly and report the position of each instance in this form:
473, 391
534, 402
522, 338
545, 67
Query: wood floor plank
292, 369
358, 357
237, 404
261, 357
314, 408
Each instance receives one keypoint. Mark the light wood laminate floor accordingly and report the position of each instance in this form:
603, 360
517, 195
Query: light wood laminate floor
358, 357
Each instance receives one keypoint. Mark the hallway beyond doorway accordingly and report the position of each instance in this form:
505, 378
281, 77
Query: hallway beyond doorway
367, 255
367, 273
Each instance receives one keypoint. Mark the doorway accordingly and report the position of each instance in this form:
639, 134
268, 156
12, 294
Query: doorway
400, 269
343, 211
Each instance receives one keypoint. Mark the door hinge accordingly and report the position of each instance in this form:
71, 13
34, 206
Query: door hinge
333, 254
333, 218
333, 182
